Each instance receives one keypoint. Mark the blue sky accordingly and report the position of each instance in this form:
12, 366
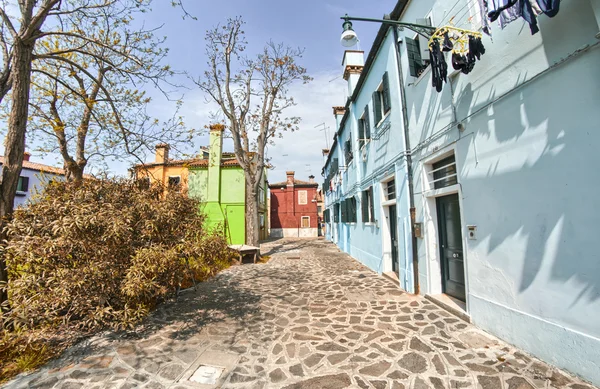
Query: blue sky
314, 25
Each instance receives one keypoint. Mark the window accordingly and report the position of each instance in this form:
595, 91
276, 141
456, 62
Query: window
418, 51
174, 182
444, 173
390, 190
367, 208
305, 222
364, 128
336, 212
381, 100
302, 197
319, 209
144, 183
348, 151
23, 184
349, 210
326, 216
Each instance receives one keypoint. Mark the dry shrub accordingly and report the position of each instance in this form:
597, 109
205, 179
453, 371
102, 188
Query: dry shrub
104, 253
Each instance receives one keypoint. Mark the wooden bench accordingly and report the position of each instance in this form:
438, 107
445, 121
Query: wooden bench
243, 249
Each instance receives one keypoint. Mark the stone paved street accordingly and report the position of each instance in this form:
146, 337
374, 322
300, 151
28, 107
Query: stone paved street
310, 318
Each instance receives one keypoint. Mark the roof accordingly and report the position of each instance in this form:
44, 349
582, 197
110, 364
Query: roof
43, 168
296, 183
192, 162
383, 29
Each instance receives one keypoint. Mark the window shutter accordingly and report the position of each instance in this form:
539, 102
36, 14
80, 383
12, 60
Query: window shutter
353, 209
25, 185
361, 133
386, 93
367, 123
364, 206
336, 212
376, 107
372, 204
414, 56
348, 150
343, 206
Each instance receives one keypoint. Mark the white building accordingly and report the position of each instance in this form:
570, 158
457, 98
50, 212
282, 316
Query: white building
504, 173
33, 178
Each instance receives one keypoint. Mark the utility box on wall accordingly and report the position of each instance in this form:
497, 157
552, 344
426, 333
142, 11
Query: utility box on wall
418, 227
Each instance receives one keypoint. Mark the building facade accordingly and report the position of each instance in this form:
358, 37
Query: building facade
34, 176
216, 179
294, 211
492, 176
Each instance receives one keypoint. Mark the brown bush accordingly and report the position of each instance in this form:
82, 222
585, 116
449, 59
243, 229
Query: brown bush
104, 253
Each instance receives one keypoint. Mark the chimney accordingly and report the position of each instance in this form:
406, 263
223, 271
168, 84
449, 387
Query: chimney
26, 156
353, 65
290, 178
162, 153
338, 112
311, 179
214, 162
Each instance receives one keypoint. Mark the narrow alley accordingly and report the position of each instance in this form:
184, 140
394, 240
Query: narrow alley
312, 317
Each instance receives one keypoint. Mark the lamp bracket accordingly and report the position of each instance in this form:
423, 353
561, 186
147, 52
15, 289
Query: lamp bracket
421, 29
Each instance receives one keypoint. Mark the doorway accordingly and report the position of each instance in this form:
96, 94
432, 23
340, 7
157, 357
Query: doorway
451, 250
394, 238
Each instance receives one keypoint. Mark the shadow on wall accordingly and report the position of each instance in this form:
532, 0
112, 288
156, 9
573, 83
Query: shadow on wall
541, 173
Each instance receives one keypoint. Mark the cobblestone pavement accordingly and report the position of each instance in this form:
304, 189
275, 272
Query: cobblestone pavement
310, 318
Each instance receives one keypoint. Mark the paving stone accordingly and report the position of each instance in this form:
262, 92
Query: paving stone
397, 375
418, 345
378, 384
421, 384
171, 372
437, 383
439, 365
277, 375
337, 381
518, 383
413, 362
376, 369
362, 384
313, 359
297, 370
489, 382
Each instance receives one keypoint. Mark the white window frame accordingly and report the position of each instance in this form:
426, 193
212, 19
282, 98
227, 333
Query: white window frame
384, 114
365, 140
384, 194
305, 197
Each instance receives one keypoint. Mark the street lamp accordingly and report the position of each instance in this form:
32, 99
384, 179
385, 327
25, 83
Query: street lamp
349, 37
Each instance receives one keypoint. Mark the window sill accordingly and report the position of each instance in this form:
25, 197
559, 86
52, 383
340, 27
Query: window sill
21, 193
387, 114
421, 76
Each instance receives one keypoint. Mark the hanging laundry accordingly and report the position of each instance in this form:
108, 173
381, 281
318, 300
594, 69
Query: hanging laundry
485, 22
510, 10
466, 47
549, 7
439, 67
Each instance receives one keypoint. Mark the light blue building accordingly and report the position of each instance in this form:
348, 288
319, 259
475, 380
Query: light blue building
503, 165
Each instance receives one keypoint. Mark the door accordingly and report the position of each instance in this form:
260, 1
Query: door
394, 237
451, 251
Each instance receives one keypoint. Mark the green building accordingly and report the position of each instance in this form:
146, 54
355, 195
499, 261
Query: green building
218, 181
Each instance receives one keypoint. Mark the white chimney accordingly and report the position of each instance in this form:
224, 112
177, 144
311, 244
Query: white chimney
353, 64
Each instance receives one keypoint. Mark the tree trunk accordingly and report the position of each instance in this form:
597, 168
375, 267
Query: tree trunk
252, 222
15, 142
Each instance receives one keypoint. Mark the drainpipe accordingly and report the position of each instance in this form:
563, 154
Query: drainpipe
411, 192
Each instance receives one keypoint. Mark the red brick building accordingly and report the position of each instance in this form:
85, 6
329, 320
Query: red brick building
294, 208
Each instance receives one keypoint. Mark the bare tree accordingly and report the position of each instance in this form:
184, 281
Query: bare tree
252, 94
86, 99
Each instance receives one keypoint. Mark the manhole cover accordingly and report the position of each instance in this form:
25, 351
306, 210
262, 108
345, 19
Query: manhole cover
207, 374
